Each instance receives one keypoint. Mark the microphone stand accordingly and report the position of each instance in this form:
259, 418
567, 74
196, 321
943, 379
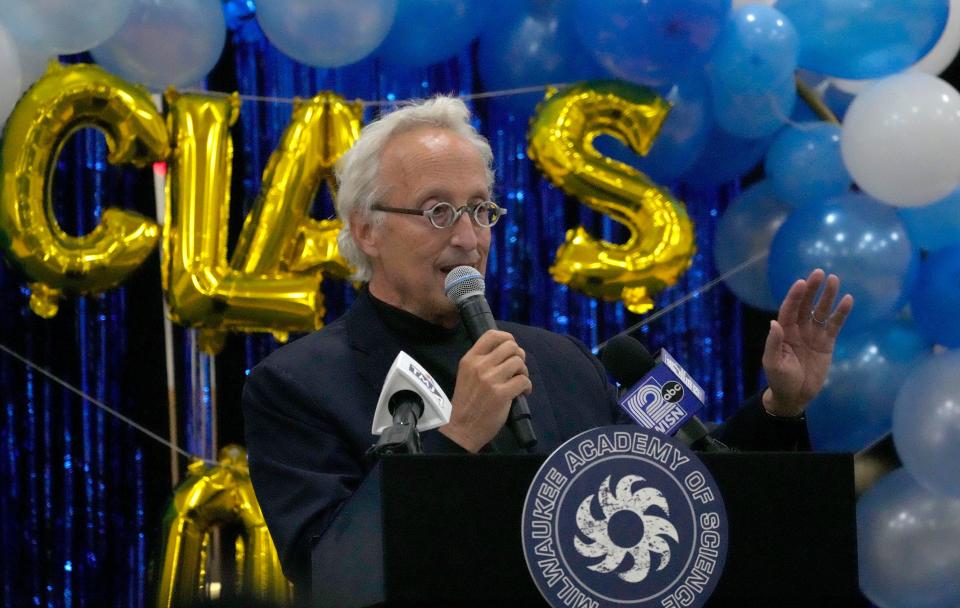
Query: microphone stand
402, 437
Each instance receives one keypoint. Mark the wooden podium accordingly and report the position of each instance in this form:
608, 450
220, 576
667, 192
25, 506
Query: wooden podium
444, 530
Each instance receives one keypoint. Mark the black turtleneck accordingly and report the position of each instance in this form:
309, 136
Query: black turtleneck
438, 349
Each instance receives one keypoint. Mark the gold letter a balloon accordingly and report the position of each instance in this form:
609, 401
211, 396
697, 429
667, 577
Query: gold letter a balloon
661, 243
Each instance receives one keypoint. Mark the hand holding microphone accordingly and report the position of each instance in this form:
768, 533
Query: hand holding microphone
492, 378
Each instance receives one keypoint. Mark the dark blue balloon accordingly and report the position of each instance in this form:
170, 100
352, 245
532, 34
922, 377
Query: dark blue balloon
650, 41
804, 164
857, 238
724, 159
935, 225
855, 406
753, 113
864, 39
428, 31
532, 49
935, 301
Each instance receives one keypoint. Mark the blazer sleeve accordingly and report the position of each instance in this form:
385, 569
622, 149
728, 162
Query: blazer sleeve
301, 465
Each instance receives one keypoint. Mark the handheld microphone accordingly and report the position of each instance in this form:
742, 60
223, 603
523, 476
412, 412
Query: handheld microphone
662, 396
410, 401
465, 288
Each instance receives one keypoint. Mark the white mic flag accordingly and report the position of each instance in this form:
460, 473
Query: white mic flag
407, 374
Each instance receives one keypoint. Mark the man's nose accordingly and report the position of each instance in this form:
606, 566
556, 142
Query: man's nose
464, 231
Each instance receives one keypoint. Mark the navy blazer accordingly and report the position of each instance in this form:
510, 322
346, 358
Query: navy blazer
308, 409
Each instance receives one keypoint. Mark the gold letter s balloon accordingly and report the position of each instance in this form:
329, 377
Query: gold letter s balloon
64, 101
218, 496
661, 242
272, 282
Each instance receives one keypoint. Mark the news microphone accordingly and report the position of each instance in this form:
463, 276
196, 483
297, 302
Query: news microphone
410, 401
465, 288
661, 396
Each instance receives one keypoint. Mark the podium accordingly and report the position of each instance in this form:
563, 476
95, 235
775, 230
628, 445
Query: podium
444, 530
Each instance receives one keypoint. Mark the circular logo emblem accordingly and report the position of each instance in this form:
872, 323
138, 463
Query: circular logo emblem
622, 516
672, 391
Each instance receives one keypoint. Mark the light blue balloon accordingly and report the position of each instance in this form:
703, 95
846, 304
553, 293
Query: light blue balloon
935, 225
855, 406
326, 33
907, 545
864, 39
804, 164
425, 32
532, 49
650, 41
63, 26
926, 423
757, 46
170, 42
744, 232
724, 159
857, 238
936, 297
753, 113
681, 139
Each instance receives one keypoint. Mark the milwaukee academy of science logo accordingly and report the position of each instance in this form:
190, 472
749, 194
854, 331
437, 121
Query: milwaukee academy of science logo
622, 516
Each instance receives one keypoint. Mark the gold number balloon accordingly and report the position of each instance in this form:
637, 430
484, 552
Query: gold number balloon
218, 496
64, 101
661, 242
272, 281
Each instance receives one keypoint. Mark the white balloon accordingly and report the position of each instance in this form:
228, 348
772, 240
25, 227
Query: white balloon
901, 139
63, 26
935, 61
33, 64
10, 74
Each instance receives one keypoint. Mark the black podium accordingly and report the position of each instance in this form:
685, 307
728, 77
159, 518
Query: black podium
444, 530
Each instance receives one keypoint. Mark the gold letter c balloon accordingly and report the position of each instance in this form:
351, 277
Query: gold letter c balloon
64, 101
661, 242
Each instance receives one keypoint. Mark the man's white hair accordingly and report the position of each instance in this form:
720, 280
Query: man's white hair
358, 170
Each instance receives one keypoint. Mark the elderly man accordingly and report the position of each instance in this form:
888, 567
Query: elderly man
414, 198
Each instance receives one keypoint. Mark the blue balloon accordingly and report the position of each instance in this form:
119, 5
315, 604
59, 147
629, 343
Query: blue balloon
428, 31
724, 159
326, 33
532, 49
936, 296
681, 139
758, 45
171, 43
926, 423
744, 232
650, 41
857, 238
907, 539
855, 406
753, 113
864, 39
935, 225
804, 164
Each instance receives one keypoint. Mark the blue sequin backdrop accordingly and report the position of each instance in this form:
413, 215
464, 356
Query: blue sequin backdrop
83, 494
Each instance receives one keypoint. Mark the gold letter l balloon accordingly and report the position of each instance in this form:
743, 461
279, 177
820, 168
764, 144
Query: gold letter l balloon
272, 282
661, 242
64, 101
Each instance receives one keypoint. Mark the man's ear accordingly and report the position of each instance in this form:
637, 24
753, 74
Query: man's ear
364, 233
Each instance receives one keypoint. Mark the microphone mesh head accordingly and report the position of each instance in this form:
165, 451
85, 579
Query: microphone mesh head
463, 282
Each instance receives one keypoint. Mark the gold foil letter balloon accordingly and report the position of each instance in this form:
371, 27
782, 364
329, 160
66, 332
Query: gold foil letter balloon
661, 242
62, 102
272, 282
213, 496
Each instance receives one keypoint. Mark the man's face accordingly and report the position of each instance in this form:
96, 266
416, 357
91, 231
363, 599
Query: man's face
410, 257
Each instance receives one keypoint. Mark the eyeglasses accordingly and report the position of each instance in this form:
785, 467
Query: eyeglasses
445, 215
